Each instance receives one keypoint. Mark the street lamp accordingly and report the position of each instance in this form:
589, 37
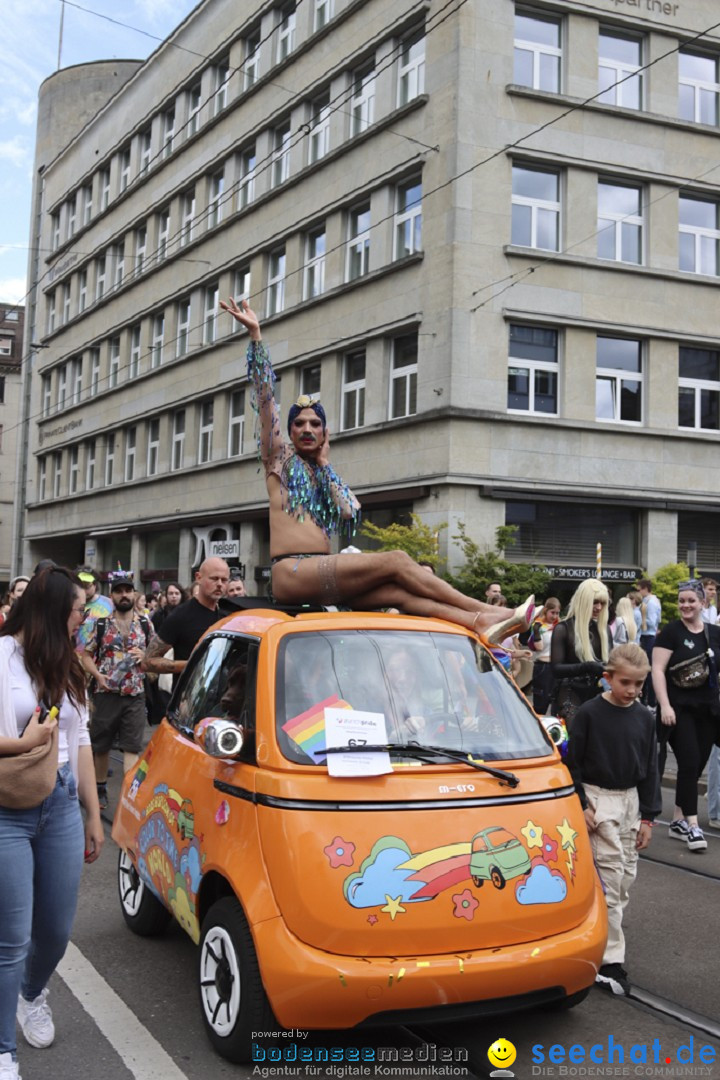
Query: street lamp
692, 557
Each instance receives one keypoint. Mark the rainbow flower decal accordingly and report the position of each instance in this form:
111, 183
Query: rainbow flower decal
340, 852
465, 905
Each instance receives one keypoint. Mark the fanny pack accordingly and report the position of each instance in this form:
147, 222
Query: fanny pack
694, 672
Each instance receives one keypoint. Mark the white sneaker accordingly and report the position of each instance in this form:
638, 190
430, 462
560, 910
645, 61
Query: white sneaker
9, 1069
35, 1019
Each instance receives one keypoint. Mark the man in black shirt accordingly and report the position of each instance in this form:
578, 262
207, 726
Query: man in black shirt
182, 629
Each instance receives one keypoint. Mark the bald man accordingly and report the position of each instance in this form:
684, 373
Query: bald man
184, 627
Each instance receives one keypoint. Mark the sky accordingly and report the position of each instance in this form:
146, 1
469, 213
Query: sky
31, 31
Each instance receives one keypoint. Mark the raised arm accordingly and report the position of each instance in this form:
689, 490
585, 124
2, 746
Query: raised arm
271, 445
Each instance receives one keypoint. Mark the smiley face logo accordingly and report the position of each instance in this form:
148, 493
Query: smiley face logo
502, 1053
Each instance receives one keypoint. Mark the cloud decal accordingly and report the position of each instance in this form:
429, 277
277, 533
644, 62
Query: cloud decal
379, 876
541, 886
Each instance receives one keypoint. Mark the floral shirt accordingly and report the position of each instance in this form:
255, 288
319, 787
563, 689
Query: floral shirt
123, 673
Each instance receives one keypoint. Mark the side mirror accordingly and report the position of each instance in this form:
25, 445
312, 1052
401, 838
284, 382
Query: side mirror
220, 738
557, 730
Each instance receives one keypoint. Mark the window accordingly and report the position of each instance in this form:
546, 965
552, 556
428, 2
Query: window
90, 465
537, 52
114, 362
163, 234
183, 327
251, 65
699, 88
75, 380
242, 289
100, 275
212, 299
408, 219
619, 75
286, 32
130, 447
124, 168
55, 230
187, 216
323, 13
66, 303
215, 202
57, 474
145, 141
310, 379
87, 204
46, 394
62, 387
94, 371
52, 313
699, 236
206, 432
276, 282
353, 391
168, 132
42, 479
320, 128
104, 183
140, 249
618, 390
362, 105
178, 440
533, 370
281, 154
412, 68
403, 381
157, 341
246, 191
236, 423
222, 76
82, 290
6, 349
194, 105
73, 458
535, 208
315, 263
699, 389
358, 257
109, 459
619, 222
134, 366
119, 265
71, 216
153, 447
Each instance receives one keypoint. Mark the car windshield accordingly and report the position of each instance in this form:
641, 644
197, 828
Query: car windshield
440, 690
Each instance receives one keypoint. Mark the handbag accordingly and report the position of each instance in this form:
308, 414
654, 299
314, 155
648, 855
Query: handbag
693, 672
27, 779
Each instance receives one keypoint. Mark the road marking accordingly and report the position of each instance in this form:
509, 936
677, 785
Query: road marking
141, 1053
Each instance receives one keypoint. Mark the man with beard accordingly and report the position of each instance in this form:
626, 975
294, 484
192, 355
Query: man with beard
112, 655
309, 503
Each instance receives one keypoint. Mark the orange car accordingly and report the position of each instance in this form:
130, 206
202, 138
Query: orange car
320, 811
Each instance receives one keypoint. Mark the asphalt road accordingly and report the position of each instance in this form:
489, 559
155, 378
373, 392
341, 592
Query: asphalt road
127, 1007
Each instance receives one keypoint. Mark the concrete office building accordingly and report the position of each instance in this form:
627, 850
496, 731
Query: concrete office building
12, 321
486, 232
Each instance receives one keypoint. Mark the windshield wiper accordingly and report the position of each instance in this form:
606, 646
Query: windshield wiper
416, 750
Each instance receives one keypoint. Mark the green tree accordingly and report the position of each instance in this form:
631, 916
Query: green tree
665, 586
483, 565
419, 540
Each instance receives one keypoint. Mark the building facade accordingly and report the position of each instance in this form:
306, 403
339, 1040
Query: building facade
486, 233
12, 325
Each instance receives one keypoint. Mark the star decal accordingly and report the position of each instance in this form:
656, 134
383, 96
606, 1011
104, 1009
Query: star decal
567, 835
533, 835
372, 919
393, 906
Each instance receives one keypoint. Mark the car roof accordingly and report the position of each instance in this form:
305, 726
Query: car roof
260, 622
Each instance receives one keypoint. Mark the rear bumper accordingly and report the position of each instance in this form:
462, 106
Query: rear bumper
309, 988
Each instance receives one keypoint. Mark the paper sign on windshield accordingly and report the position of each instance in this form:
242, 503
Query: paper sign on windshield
349, 727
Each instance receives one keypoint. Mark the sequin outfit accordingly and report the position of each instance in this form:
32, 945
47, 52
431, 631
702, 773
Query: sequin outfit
306, 488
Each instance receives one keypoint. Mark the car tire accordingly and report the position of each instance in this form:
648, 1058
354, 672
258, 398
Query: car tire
496, 877
232, 997
477, 882
142, 911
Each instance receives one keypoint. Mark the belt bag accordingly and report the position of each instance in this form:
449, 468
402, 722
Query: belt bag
690, 673
28, 779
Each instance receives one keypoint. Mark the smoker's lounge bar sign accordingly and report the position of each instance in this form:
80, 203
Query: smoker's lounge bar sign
579, 573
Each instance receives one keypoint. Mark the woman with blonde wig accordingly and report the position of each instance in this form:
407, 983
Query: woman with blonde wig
581, 645
624, 630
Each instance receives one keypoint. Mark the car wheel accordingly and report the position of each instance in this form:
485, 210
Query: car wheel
232, 996
497, 879
142, 911
477, 882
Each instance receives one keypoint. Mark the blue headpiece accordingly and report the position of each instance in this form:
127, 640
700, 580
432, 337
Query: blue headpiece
305, 401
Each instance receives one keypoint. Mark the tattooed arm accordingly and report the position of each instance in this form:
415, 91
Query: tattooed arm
155, 659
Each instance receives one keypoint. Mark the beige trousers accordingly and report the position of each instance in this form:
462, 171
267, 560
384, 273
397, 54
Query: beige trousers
613, 842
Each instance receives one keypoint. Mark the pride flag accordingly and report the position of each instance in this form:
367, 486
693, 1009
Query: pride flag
308, 728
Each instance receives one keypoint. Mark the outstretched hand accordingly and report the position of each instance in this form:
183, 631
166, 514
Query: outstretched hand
244, 315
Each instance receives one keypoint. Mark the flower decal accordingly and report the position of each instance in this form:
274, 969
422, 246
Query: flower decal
549, 848
465, 905
340, 852
533, 835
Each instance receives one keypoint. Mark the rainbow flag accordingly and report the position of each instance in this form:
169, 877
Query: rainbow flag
308, 728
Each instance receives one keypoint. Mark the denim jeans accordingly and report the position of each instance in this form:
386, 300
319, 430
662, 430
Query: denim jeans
41, 860
713, 784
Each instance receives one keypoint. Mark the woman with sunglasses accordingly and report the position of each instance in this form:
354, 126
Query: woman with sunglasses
685, 679
580, 647
42, 847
